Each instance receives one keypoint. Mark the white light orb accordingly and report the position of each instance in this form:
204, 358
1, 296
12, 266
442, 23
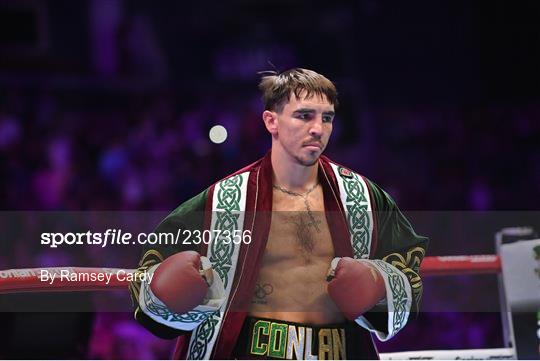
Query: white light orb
218, 134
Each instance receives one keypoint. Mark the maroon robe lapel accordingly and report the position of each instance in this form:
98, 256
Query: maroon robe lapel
335, 214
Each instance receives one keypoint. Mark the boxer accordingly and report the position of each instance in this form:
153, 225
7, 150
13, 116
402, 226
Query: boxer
272, 294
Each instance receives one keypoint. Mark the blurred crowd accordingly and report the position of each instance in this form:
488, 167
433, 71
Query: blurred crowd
151, 152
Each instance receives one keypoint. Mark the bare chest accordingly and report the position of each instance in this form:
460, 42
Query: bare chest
299, 232
294, 266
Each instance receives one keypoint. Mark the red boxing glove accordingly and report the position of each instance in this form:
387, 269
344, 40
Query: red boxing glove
178, 282
356, 287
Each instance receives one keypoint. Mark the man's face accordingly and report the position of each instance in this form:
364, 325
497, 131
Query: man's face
304, 128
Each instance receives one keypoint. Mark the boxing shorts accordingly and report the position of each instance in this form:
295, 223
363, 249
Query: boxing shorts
274, 339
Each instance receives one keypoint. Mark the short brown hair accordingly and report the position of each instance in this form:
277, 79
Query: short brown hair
277, 88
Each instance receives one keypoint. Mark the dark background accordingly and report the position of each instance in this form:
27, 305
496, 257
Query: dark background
106, 105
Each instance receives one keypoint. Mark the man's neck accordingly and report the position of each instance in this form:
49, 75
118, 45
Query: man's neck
291, 175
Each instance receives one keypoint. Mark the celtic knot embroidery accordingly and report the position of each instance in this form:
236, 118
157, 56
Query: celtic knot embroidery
357, 214
149, 259
399, 296
410, 265
204, 333
163, 312
227, 214
135, 286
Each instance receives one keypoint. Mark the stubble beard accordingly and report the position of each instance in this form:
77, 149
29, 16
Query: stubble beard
307, 162
304, 161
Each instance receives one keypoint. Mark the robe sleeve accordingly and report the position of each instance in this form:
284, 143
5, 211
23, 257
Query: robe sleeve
149, 310
397, 257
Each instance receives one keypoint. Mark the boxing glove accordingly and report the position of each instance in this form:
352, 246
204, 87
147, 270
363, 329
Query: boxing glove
178, 281
355, 287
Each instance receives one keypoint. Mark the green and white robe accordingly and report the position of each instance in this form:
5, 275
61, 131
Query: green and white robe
364, 223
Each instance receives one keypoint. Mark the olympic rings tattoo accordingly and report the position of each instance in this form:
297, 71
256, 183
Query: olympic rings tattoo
262, 291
